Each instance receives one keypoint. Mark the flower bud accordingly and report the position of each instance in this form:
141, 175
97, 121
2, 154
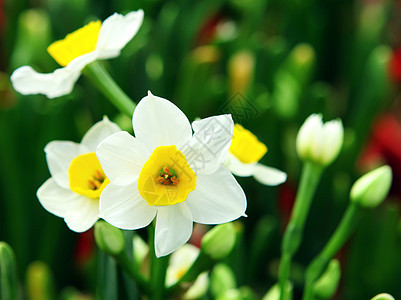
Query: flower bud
199, 288
8, 273
240, 69
222, 280
327, 284
33, 37
39, 281
372, 188
109, 238
320, 142
141, 249
219, 241
243, 293
383, 296
274, 292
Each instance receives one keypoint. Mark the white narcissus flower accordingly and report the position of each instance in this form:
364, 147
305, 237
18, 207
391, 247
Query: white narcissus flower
77, 179
170, 174
94, 41
243, 156
320, 142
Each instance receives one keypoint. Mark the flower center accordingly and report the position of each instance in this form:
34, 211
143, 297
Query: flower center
246, 146
86, 176
166, 178
75, 44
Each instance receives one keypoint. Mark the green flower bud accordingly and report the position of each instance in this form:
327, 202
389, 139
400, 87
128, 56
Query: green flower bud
243, 293
33, 37
320, 142
383, 296
274, 292
222, 279
39, 281
232, 294
199, 288
109, 238
327, 284
372, 188
219, 241
300, 63
141, 249
8, 273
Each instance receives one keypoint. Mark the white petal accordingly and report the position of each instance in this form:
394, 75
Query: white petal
59, 155
122, 157
158, 122
332, 134
98, 132
306, 135
27, 81
218, 198
173, 228
58, 83
237, 167
83, 215
208, 147
268, 175
56, 199
124, 208
116, 31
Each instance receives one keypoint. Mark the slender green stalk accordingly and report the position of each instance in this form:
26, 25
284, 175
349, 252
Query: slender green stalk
106, 277
158, 268
293, 235
103, 81
344, 230
128, 266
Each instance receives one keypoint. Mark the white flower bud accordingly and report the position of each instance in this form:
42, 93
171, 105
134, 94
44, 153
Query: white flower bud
320, 142
372, 188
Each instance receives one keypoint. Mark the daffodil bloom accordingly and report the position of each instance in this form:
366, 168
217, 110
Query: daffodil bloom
170, 174
77, 179
94, 41
243, 156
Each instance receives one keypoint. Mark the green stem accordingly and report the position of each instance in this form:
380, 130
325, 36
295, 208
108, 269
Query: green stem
128, 266
103, 81
158, 268
293, 235
344, 230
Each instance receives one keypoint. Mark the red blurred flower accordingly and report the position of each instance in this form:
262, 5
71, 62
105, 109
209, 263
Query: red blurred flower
395, 65
384, 147
84, 248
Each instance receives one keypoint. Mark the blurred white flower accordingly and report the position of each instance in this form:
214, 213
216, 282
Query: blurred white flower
320, 142
94, 41
168, 173
180, 262
243, 156
77, 179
